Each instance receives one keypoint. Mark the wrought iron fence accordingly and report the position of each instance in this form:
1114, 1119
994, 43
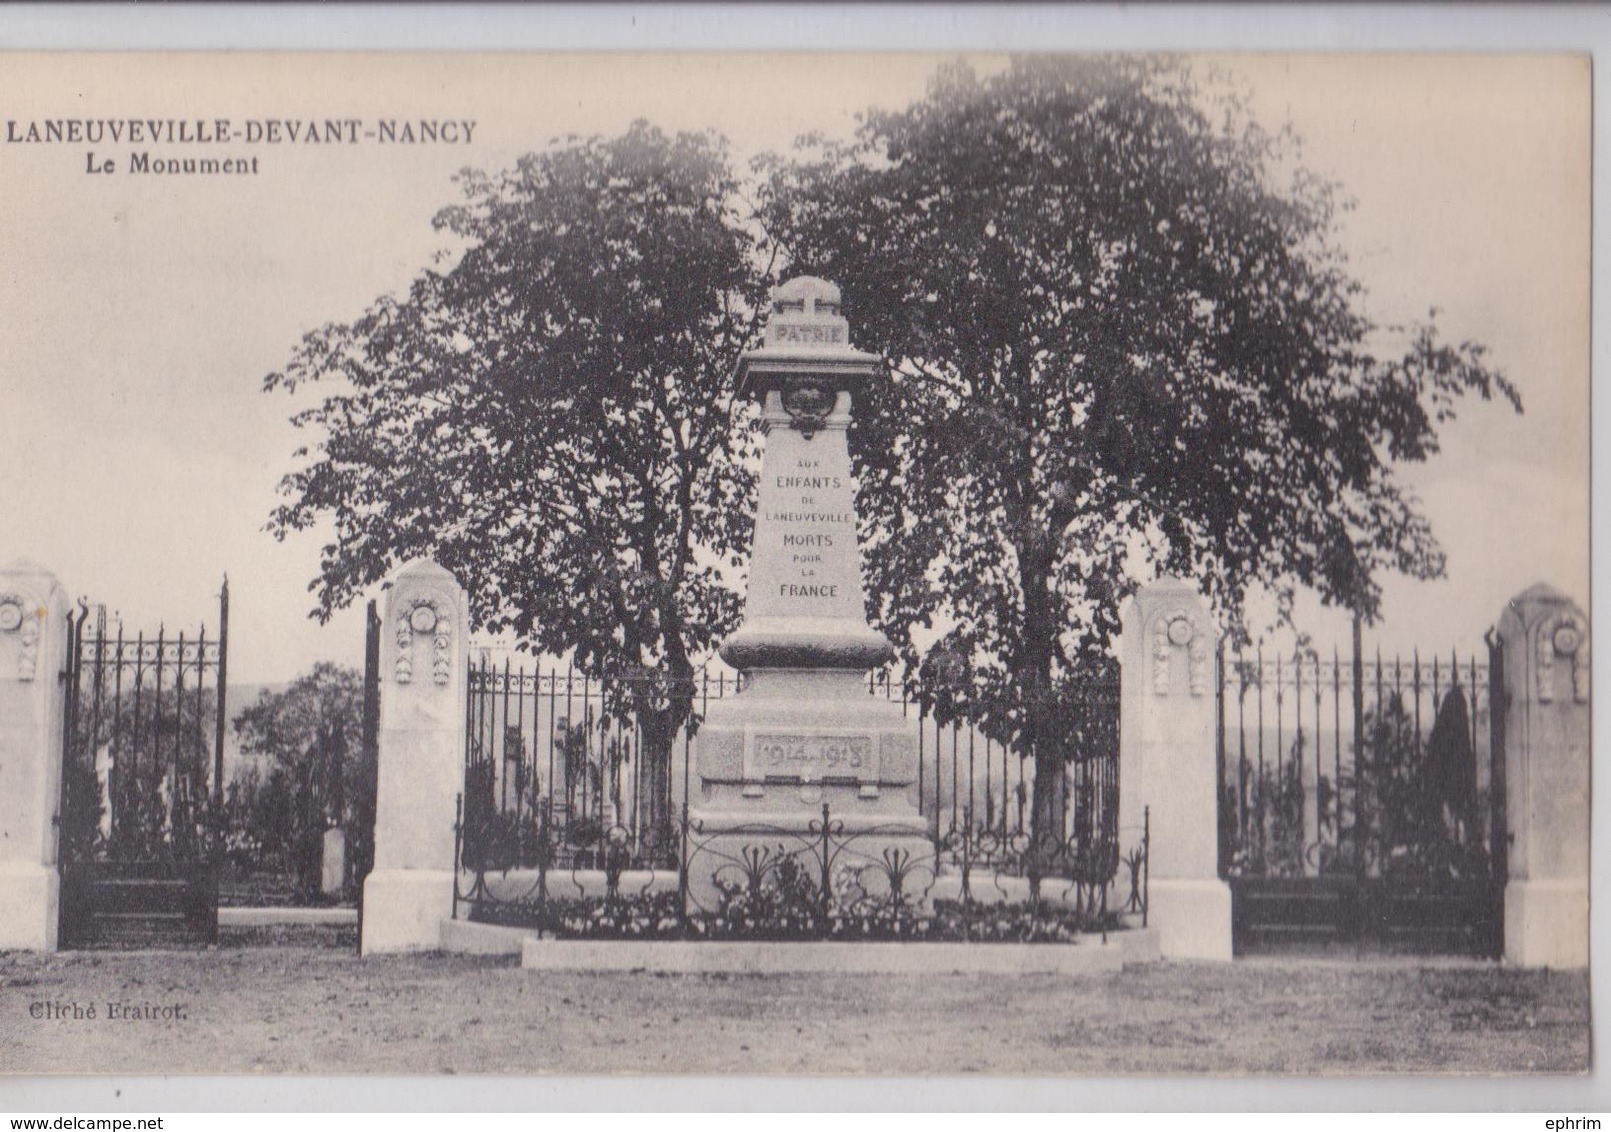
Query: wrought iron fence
557, 760
561, 769
140, 802
574, 753
1360, 767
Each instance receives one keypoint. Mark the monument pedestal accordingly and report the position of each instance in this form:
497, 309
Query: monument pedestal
791, 743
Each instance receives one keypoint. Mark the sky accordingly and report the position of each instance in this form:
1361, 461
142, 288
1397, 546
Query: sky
139, 457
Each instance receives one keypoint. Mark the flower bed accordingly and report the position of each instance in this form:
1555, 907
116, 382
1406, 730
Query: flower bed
774, 916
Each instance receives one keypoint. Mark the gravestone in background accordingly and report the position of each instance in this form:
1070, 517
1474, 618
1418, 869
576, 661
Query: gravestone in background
805, 731
333, 864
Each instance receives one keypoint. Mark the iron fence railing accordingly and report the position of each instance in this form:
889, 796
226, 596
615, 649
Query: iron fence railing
562, 769
141, 803
142, 739
575, 753
818, 879
1355, 766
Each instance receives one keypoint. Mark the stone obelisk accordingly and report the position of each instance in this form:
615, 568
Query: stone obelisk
805, 730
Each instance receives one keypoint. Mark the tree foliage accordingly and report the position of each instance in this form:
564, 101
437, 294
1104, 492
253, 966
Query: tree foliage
1119, 329
316, 721
551, 418
1122, 339
312, 775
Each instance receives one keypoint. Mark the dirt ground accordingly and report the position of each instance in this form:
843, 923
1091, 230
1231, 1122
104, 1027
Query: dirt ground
291, 1002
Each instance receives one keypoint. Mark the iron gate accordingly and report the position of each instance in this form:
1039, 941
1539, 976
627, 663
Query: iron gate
1362, 801
142, 752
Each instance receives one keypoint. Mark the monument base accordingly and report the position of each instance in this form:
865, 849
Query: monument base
1191, 916
769, 760
796, 738
404, 910
30, 903
1547, 923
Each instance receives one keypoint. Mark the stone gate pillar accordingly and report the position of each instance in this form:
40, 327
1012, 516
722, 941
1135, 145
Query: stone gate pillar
33, 654
1545, 639
1166, 765
424, 635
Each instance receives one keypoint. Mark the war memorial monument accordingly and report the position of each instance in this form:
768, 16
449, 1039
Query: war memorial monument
805, 734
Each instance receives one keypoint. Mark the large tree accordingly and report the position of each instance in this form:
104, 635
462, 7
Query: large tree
1120, 329
551, 417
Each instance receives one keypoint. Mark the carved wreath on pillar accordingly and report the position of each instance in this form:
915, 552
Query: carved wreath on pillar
808, 405
1565, 636
424, 616
1179, 630
16, 617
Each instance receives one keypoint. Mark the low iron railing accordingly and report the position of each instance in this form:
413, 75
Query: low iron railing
821, 879
571, 808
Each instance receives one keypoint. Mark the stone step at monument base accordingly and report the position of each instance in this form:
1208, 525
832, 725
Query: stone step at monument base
986, 886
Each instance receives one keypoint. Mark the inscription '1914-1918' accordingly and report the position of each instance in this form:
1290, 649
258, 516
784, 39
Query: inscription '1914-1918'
809, 757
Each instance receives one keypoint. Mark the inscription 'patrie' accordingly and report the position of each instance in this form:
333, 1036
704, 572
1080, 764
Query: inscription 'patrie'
808, 334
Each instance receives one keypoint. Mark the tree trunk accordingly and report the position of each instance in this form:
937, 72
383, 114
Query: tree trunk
654, 814
661, 718
1039, 712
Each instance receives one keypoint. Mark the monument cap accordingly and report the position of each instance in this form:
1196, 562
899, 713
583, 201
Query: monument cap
807, 340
